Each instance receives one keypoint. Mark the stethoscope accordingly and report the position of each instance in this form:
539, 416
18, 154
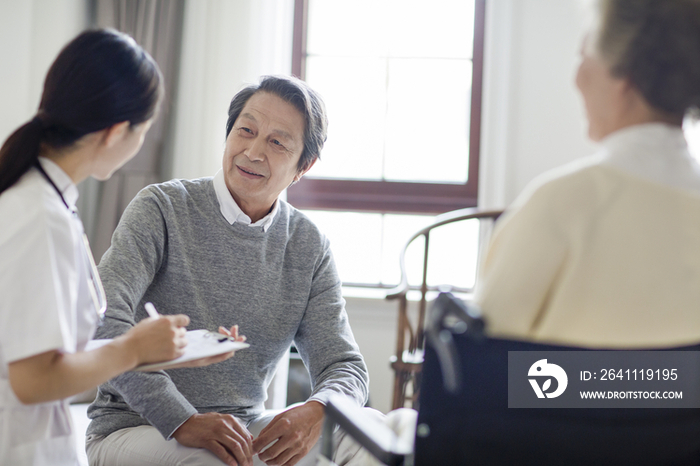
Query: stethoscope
97, 292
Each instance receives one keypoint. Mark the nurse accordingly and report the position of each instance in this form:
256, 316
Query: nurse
100, 97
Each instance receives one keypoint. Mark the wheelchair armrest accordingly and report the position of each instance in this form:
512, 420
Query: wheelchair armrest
374, 436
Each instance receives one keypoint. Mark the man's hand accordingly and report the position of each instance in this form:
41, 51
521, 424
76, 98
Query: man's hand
296, 430
214, 359
232, 333
221, 434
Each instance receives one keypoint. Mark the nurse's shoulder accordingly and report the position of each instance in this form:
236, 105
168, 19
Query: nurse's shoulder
31, 203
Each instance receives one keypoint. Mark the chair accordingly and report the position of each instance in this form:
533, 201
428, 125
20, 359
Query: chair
408, 358
464, 416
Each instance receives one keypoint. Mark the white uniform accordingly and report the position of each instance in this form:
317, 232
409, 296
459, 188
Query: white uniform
45, 304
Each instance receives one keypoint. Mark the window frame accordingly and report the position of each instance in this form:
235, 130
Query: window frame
384, 196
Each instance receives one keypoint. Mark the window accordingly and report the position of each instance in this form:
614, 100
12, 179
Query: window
402, 83
691, 128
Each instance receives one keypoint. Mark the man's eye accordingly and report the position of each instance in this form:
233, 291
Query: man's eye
277, 143
246, 130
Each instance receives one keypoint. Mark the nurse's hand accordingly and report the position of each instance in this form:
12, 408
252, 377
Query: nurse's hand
56, 374
156, 340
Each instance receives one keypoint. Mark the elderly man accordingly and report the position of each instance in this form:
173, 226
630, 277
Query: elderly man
226, 250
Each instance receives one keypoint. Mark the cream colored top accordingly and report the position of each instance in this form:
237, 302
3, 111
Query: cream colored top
604, 252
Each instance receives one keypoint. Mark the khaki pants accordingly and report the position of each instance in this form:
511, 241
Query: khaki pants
144, 445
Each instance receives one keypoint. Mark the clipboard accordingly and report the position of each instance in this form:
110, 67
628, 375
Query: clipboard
200, 344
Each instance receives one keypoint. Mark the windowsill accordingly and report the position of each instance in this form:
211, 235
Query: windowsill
364, 292
380, 293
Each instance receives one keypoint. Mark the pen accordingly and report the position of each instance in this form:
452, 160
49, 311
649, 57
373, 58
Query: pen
151, 309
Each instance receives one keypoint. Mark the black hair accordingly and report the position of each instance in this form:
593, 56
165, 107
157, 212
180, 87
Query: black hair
101, 78
297, 93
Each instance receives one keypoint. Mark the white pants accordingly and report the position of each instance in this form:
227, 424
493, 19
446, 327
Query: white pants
144, 445
401, 421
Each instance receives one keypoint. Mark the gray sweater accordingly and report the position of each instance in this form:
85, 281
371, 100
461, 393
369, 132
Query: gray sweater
174, 248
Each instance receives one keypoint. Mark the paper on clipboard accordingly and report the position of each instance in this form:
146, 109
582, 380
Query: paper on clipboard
200, 344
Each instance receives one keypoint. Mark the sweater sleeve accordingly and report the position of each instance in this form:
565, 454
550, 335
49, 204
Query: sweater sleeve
527, 251
127, 270
325, 340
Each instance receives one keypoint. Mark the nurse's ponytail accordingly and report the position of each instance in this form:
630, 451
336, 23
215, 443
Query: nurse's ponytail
19, 152
101, 78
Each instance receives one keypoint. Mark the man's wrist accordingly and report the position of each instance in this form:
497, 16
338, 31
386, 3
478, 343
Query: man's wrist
177, 429
316, 408
188, 412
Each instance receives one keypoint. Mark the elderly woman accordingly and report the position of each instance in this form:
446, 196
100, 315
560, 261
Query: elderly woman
605, 252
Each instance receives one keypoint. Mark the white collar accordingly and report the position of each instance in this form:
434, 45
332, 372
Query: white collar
63, 182
653, 151
232, 211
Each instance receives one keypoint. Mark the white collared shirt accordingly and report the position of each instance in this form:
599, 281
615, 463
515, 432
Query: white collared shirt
232, 211
63, 182
636, 150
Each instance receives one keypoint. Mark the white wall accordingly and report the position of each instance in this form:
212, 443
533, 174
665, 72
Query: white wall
32, 32
374, 325
533, 118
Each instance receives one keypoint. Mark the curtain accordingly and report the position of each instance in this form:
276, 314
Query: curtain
226, 45
156, 25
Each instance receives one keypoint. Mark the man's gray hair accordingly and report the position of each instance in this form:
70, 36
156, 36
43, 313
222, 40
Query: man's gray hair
303, 98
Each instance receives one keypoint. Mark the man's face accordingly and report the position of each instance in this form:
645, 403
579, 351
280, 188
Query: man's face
262, 152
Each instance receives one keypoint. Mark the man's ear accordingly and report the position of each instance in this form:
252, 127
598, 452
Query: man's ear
115, 133
626, 87
632, 102
303, 171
